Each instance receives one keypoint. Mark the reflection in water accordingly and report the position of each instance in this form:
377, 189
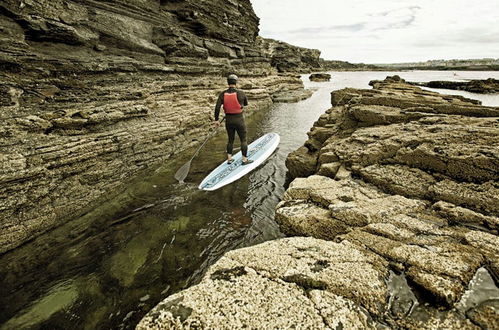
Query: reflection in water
111, 266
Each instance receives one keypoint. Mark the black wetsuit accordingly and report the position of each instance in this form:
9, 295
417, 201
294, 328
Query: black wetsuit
234, 122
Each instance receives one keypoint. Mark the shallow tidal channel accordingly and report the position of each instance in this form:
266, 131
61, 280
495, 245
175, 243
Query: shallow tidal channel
156, 237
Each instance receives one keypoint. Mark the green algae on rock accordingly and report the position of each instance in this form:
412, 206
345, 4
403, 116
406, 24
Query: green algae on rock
58, 298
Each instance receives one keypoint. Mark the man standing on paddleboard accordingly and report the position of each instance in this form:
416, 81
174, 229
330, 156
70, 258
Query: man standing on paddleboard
233, 101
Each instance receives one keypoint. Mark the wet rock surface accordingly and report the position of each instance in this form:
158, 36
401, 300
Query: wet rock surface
94, 92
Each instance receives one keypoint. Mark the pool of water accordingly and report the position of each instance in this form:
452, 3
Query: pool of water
156, 237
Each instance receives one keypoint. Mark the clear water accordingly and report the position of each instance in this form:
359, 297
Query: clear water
156, 237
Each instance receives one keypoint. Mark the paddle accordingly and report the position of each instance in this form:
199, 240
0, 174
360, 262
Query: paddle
182, 172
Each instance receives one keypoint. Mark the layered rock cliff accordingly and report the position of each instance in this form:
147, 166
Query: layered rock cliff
94, 91
286, 57
397, 195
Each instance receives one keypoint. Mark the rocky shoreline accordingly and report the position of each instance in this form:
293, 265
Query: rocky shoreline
486, 86
93, 93
395, 193
395, 198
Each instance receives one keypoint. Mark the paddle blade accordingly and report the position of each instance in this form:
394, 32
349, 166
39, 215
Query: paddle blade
182, 172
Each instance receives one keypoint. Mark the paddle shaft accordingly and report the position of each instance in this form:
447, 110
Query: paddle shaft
182, 172
209, 136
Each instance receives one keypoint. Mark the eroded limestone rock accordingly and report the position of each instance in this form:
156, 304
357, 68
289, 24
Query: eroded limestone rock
301, 162
283, 283
422, 192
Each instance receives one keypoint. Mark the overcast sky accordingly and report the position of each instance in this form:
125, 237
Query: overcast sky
385, 31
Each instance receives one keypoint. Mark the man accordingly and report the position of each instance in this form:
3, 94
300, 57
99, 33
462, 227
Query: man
233, 101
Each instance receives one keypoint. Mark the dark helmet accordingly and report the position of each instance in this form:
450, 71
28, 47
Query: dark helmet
232, 79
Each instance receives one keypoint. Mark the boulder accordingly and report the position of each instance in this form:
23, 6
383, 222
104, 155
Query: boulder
301, 163
281, 284
319, 77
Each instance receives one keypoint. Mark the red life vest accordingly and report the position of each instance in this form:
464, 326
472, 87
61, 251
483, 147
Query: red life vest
231, 104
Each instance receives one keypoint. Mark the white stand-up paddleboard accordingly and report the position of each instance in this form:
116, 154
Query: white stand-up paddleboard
258, 151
